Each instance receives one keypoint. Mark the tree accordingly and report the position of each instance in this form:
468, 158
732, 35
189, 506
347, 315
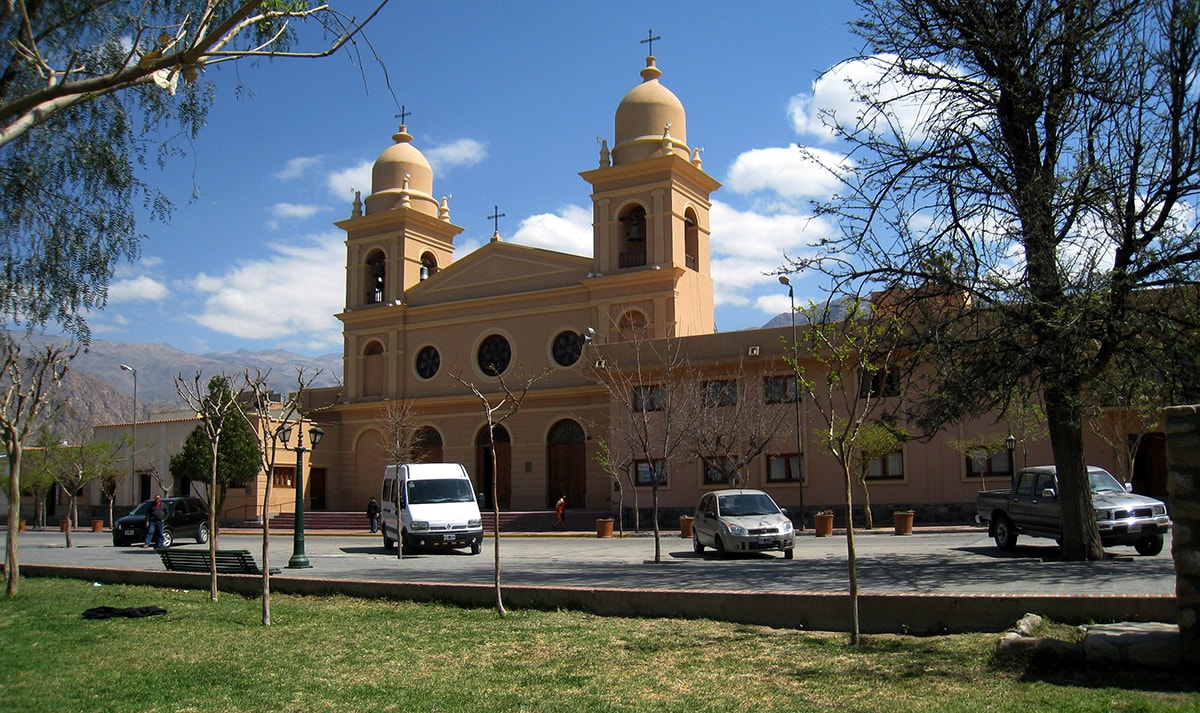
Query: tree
401, 432
508, 403
75, 466
92, 91
237, 459
735, 424
270, 418
657, 404
1023, 176
855, 378
219, 415
29, 386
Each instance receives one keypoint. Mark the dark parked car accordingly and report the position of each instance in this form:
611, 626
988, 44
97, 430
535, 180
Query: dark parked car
186, 517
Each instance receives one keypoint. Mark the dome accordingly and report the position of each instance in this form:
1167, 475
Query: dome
400, 162
641, 124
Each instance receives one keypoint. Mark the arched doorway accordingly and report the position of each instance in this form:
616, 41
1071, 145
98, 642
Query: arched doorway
566, 464
427, 445
502, 476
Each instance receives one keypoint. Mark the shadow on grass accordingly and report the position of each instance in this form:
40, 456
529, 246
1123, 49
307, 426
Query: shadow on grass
1049, 668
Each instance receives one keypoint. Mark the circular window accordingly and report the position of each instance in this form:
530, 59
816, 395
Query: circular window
567, 348
428, 362
494, 355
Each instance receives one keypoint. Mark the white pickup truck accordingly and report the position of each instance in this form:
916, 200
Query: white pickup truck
1031, 508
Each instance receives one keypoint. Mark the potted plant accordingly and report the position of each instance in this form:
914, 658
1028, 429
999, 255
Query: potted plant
823, 523
903, 521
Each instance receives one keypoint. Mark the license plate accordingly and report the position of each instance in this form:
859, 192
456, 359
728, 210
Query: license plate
448, 537
766, 540
1135, 527
128, 532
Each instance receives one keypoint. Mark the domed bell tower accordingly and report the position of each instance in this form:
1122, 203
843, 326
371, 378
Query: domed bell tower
650, 206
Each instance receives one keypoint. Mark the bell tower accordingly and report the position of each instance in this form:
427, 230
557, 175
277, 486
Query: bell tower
650, 207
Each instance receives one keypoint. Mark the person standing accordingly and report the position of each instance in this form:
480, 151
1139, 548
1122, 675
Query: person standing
155, 517
373, 514
560, 512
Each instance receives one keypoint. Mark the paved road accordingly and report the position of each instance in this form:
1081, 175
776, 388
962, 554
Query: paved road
963, 561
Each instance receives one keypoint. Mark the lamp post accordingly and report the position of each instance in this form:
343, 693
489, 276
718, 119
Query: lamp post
783, 280
1011, 444
299, 559
133, 426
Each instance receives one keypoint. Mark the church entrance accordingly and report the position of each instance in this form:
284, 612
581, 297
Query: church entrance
501, 475
566, 465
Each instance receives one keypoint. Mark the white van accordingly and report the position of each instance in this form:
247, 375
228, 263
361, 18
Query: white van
429, 505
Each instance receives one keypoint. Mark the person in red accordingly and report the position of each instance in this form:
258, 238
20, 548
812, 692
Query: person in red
560, 512
155, 517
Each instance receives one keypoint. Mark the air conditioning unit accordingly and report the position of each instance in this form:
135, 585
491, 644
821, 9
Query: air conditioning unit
752, 351
601, 364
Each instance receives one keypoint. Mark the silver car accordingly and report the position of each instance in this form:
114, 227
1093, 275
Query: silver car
741, 521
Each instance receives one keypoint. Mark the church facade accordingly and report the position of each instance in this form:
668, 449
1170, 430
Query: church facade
423, 328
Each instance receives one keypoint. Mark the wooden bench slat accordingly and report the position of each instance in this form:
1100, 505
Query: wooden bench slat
228, 561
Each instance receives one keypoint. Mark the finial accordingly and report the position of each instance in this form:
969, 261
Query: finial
495, 218
444, 211
696, 156
666, 139
405, 196
356, 211
605, 154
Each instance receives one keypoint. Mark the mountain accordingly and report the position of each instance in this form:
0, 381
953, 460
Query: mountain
97, 390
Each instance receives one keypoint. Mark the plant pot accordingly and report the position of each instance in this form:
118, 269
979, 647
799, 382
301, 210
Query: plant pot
604, 527
685, 525
64, 525
903, 522
97, 526
823, 525
20, 526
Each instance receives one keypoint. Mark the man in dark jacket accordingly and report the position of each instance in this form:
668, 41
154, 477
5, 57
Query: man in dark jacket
373, 515
155, 517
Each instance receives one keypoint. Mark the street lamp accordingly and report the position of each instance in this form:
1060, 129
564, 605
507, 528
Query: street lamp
783, 280
133, 426
299, 560
1011, 444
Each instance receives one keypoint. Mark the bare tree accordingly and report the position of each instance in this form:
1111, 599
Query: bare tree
657, 404
214, 403
857, 370
74, 466
29, 386
508, 401
618, 465
270, 417
401, 432
735, 424
1048, 184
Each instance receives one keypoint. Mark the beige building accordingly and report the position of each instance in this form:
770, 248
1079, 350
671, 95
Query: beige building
420, 326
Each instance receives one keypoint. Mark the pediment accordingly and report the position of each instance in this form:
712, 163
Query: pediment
500, 269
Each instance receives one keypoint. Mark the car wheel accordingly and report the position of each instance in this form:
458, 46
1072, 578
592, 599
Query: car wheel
1006, 534
202, 533
476, 547
718, 545
789, 554
1149, 546
387, 541
696, 544
167, 537
406, 548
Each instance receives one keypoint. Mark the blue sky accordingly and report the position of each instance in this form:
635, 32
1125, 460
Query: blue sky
507, 101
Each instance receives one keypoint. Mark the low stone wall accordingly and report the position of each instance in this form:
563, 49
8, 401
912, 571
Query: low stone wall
818, 611
1182, 426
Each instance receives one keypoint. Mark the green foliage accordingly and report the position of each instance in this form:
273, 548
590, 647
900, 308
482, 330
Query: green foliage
238, 459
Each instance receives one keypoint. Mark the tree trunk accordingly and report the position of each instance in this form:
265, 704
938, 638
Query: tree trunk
1080, 538
657, 534
495, 521
851, 556
12, 571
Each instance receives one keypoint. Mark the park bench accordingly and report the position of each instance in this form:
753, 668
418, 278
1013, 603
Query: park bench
228, 561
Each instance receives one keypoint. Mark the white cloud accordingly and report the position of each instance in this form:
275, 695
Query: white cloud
292, 294
137, 289
343, 183
464, 152
291, 211
788, 172
745, 245
568, 231
298, 167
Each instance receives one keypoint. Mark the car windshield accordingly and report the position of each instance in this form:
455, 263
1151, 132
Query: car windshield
744, 504
142, 508
444, 490
1101, 481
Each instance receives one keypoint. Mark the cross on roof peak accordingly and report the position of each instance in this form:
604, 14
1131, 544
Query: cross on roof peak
649, 41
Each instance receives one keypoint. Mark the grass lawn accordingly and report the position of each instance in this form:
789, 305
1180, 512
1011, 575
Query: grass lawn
365, 656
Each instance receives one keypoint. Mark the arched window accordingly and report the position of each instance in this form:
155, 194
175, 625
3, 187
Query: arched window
429, 266
691, 240
376, 274
633, 247
374, 368
632, 326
